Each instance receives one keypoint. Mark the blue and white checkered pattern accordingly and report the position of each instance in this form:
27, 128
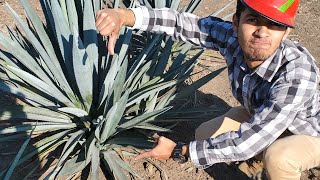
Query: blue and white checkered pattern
282, 93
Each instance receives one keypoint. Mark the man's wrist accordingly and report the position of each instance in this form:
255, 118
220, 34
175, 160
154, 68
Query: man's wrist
138, 17
127, 17
180, 152
185, 150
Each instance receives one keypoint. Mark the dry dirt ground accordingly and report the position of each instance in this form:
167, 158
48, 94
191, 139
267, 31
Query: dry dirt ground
215, 94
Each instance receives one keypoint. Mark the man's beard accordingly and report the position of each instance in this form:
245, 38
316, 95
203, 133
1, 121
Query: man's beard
256, 55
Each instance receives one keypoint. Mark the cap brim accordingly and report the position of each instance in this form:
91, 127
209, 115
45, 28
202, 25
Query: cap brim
272, 14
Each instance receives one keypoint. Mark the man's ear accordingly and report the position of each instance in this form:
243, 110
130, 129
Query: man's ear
235, 23
286, 34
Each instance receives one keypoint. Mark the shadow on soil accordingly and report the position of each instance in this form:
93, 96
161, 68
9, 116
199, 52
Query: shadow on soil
10, 146
184, 132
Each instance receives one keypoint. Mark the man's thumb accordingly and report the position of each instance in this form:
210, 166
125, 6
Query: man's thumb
112, 43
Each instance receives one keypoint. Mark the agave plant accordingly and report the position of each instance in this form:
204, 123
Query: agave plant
79, 101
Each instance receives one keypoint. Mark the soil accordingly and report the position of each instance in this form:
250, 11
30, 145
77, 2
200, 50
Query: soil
215, 94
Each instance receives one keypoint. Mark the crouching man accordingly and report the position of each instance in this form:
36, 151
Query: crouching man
274, 79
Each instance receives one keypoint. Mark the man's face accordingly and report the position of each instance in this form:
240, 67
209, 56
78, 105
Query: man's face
258, 37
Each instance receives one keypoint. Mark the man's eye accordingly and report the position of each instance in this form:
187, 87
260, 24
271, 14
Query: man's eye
253, 20
277, 25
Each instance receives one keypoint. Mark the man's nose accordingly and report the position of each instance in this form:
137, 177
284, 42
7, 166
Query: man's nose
262, 31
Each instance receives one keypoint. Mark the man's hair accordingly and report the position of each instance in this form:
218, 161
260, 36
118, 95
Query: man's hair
240, 9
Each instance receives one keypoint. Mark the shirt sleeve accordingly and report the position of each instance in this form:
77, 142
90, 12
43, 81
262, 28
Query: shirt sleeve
209, 32
286, 99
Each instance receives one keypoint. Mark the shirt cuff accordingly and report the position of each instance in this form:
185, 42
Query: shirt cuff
138, 18
194, 152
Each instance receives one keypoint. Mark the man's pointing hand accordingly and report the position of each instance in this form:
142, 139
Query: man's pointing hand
109, 22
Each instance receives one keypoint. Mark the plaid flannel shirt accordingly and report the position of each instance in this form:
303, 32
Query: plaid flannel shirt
282, 93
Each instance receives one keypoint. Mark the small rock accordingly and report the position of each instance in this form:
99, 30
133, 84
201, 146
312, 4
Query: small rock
189, 169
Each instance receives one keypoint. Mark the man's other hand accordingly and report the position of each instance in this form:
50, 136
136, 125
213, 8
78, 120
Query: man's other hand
162, 151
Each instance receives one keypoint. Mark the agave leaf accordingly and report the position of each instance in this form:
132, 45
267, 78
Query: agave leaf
16, 159
153, 81
89, 147
71, 14
15, 136
187, 68
49, 149
114, 167
46, 9
125, 44
39, 27
142, 118
69, 147
90, 38
164, 57
109, 80
63, 35
96, 5
6, 59
175, 4
40, 147
152, 127
79, 161
40, 85
160, 4
145, 3
38, 128
12, 78
106, 84
22, 135
153, 59
193, 5
146, 92
82, 70
50, 139
73, 165
124, 165
74, 111
95, 163
36, 166
142, 57
64, 8
35, 113
18, 37
115, 3
113, 118
41, 151
184, 70
23, 93
4, 77
165, 98
178, 60
56, 73
23, 57
139, 75
153, 100
117, 88
146, 77
142, 143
